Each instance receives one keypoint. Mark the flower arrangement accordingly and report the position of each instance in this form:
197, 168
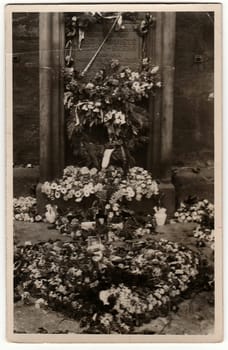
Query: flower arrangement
25, 209
111, 102
138, 184
202, 213
79, 183
76, 183
110, 288
196, 212
203, 235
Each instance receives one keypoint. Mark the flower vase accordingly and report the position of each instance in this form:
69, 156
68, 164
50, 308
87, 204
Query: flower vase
51, 213
160, 216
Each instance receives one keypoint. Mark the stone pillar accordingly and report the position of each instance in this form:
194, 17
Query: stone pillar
169, 30
154, 146
51, 95
162, 42
51, 49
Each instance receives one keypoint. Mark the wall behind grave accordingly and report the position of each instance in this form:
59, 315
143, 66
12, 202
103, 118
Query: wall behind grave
193, 112
124, 45
25, 88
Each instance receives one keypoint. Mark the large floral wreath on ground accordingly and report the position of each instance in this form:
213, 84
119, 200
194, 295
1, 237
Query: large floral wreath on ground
111, 286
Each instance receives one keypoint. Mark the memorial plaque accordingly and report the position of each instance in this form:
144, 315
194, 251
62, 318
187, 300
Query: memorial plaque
124, 45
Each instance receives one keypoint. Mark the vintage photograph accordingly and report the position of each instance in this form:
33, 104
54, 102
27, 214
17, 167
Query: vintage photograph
113, 216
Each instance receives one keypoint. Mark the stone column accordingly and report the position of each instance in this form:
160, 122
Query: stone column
159, 161
154, 146
51, 50
169, 30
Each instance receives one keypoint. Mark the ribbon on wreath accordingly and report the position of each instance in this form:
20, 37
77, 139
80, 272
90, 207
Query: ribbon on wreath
106, 157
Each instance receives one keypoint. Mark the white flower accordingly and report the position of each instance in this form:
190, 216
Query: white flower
45, 187
136, 85
87, 190
130, 192
98, 187
57, 194
106, 319
78, 273
54, 185
93, 171
119, 118
63, 190
115, 207
97, 257
86, 193
38, 218
89, 86
134, 76
154, 70
25, 296
70, 194
84, 170
78, 194
104, 295
138, 197
110, 215
40, 303
90, 186
210, 206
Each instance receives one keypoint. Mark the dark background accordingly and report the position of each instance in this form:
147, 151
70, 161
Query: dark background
193, 112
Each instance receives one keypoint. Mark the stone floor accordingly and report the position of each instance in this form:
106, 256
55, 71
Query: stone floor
193, 316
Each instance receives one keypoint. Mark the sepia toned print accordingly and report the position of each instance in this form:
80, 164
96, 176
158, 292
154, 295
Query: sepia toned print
114, 153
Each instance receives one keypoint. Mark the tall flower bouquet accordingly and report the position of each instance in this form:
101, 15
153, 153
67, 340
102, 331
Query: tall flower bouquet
109, 107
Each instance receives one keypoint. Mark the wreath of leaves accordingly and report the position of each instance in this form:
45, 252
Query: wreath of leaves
108, 111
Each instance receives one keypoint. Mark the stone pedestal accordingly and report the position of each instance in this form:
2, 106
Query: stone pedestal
169, 200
